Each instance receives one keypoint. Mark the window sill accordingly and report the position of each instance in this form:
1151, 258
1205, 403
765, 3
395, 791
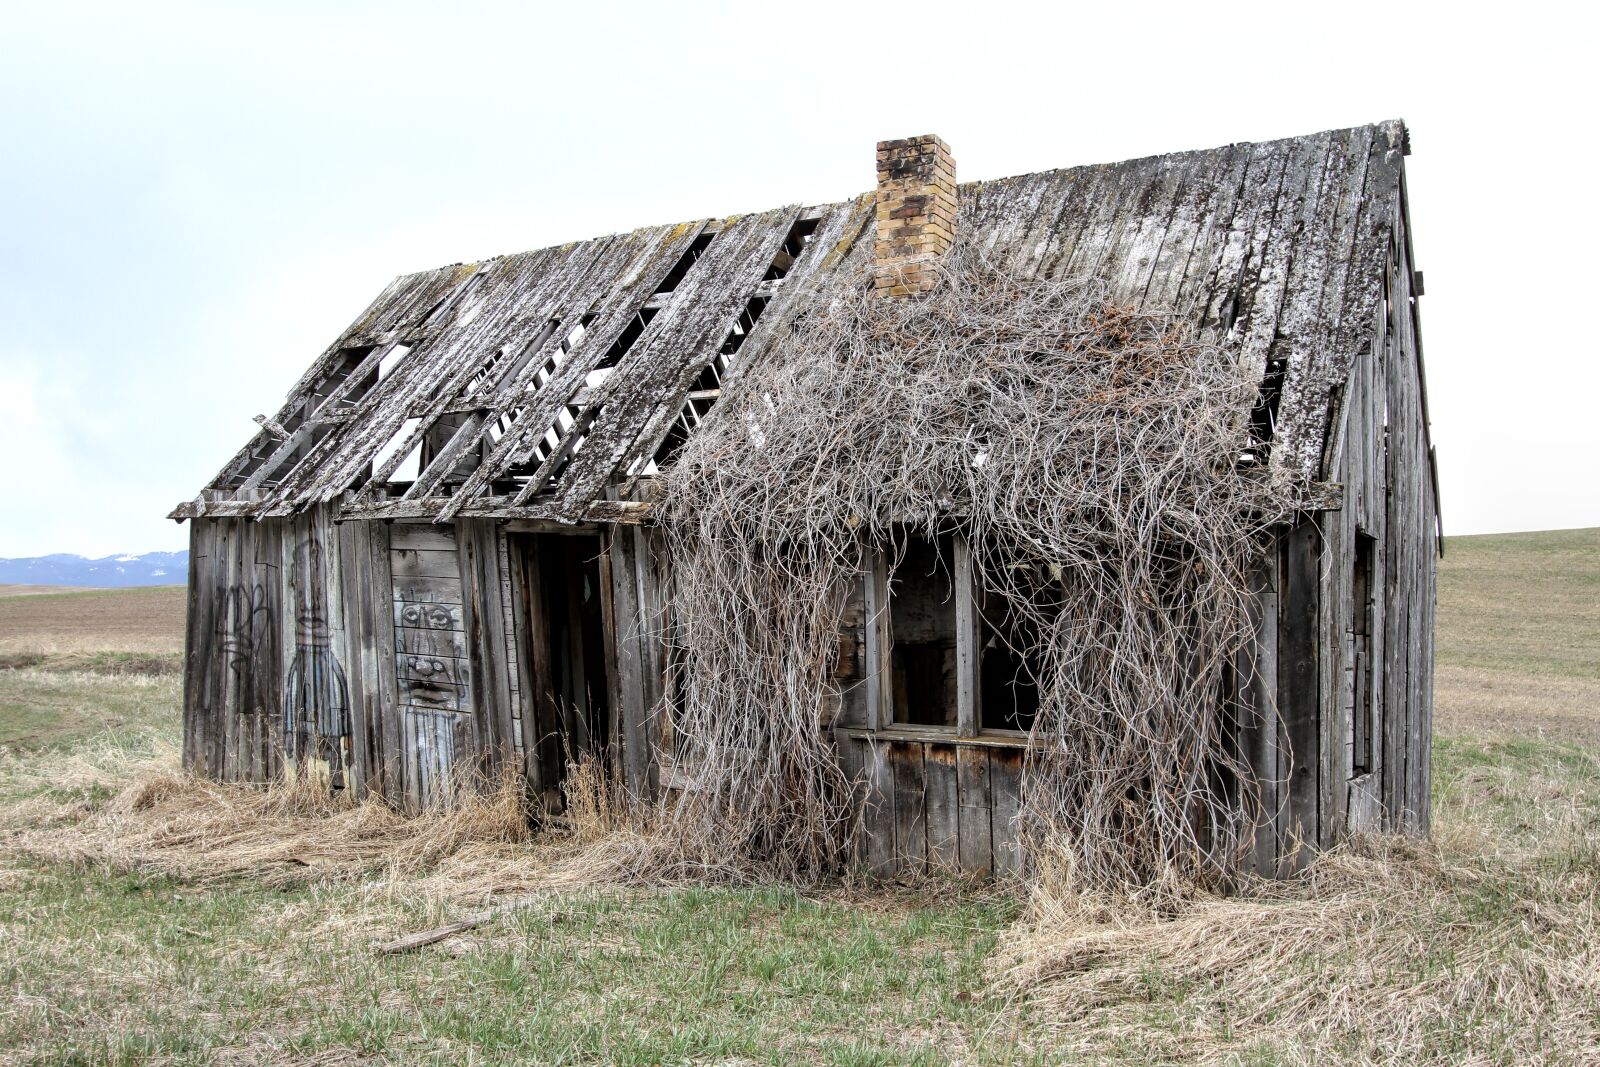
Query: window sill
940, 735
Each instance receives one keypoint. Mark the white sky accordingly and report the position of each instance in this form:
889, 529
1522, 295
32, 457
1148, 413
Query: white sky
199, 198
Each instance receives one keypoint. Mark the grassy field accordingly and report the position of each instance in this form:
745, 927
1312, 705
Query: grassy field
1519, 635
126, 938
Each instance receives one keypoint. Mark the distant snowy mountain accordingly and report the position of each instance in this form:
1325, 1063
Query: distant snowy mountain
152, 568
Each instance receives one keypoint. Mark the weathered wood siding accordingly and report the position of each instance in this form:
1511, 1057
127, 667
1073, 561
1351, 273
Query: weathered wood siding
382, 649
233, 673
269, 648
935, 804
433, 667
637, 610
1310, 657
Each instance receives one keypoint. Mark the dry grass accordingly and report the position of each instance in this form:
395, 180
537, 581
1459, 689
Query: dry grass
173, 825
1481, 947
1387, 952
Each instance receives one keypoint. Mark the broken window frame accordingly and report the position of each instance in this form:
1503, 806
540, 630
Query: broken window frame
879, 598
972, 631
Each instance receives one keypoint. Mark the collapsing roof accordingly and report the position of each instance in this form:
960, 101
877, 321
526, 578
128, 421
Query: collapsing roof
546, 384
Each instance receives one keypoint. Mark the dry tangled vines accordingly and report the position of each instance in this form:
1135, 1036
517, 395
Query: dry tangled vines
1090, 455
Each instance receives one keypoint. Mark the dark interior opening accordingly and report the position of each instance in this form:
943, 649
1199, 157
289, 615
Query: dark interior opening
1264, 416
799, 235
922, 628
1008, 666
630, 333
1010, 696
681, 268
1008, 692
565, 652
1363, 718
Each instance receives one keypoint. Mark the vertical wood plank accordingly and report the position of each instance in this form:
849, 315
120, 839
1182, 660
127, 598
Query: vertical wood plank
643, 765
199, 649
1258, 674
966, 640
355, 550
879, 808
1299, 685
483, 617
941, 790
630, 661
611, 634
876, 596
910, 806
229, 713
1005, 790
973, 801
850, 753
480, 743
388, 726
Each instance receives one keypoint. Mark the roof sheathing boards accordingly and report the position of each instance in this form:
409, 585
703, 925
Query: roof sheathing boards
1275, 248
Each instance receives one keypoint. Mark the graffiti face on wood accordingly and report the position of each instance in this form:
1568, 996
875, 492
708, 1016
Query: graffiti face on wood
428, 616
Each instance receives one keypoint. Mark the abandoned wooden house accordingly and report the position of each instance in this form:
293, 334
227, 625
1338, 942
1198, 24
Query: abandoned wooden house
439, 552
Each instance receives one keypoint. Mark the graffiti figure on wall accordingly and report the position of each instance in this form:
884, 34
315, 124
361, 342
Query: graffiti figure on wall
244, 634
316, 697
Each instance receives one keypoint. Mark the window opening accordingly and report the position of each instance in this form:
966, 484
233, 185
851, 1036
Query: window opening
1008, 665
922, 633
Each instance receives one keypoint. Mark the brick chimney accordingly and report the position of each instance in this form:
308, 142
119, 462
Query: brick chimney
916, 213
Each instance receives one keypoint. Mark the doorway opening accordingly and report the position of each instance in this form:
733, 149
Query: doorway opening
564, 657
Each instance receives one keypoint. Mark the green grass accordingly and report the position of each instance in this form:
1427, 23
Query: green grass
762, 975
41, 709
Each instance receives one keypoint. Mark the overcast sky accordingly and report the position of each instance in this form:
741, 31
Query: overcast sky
199, 198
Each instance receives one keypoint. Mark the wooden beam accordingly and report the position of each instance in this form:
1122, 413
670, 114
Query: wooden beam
966, 640
876, 625
936, 735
